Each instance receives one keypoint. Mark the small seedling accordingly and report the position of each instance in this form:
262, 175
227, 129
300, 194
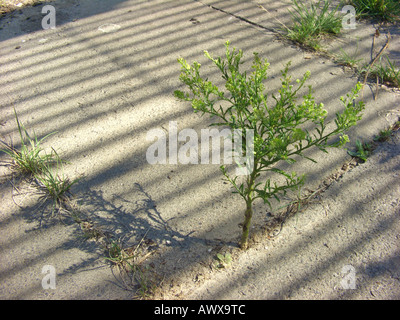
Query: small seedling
346, 59
395, 126
384, 135
388, 73
89, 230
223, 260
118, 255
393, 73
146, 284
363, 151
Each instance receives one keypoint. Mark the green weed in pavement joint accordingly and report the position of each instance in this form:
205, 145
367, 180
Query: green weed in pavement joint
346, 59
146, 283
278, 126
117, 255
384, 10
45, 168
53, 181
30, 159
363, 151
393, 73
383, 135
311, 24
125, 261
387, 73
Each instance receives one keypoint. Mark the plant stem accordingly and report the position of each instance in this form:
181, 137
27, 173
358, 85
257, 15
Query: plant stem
249, 209
246, 225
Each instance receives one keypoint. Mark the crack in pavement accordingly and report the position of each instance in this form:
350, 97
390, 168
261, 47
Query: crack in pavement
237, 17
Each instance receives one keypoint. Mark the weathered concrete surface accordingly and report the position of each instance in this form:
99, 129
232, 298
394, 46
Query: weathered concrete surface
103, 91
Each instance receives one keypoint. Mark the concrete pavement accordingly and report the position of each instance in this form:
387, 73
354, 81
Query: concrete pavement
102, 79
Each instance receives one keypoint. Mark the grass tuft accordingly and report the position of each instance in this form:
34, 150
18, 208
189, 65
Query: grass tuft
384, 10
348, 60
44, 168
53, 180
388, 73
312, 23
126, 260
30, 159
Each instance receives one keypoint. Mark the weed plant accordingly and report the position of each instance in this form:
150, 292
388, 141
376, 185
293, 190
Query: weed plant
384, 10
30, 159
223, 260
388, 73
312, 23
124, 260
46, 169
383, 135
348, 60
363, 151
53, 181
278, 126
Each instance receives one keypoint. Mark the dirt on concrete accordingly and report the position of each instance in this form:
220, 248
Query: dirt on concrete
102, 79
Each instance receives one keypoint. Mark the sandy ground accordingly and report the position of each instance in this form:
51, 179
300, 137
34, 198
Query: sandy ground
102, 79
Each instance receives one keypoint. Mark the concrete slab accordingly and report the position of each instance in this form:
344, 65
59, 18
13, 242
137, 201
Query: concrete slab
102, 79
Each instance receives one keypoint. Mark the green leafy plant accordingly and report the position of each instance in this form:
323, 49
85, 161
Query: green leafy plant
279, 127
384, 135
393, 73
388, 73
311, 24
119, 256
223, 260
30, 159
363, 151
386, 10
